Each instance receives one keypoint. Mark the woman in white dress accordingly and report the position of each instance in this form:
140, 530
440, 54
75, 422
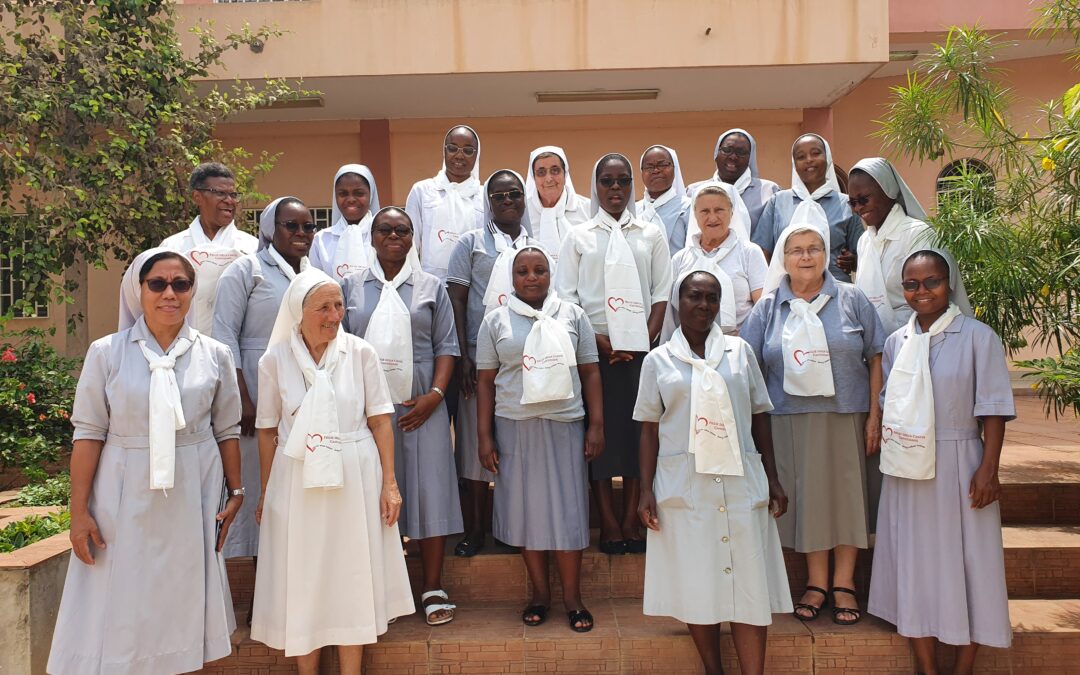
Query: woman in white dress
343, 247
719, 244
710, 498
553, 205
147, 590
331, 569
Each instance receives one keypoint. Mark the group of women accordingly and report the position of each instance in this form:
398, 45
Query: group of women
366, 381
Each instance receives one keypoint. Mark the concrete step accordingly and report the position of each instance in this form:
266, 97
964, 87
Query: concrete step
489, 638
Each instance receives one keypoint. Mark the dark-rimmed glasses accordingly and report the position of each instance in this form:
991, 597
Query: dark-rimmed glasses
221, 194
179, 285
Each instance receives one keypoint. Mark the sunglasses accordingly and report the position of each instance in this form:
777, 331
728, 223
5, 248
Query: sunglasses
401, 231
512, 195
929, 283
858, 201
608, 181
452, 149
294, 227
220, 194
179, 285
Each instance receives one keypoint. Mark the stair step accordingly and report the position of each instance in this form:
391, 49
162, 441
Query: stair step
489, 638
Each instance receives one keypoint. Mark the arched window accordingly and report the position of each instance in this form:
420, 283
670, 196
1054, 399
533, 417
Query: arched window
967, 180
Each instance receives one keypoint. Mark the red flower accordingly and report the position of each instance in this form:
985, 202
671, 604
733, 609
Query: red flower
8, 355
41, 418
22, 385
31, 399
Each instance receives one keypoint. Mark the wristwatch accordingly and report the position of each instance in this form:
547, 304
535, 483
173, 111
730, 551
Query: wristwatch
238, 492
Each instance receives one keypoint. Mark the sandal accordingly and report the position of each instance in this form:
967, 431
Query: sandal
813, 609
539, 611
837, 610
580, 616
436, 607
616, 547
469, 546
635, 545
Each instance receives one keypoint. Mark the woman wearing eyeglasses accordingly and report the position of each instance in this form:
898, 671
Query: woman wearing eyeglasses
665, 203
553, 205
939, 570
618, 269
248, 297
156, 419
344, 247
735, 155
478, 283
405, 314
895, 228
813, 178
818, 342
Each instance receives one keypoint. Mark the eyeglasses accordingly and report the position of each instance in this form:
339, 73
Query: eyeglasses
800, 252
929, 283
656, 168
858, 201
221, 194
608, 181
401, 231
512, 195
738, 152
452, 149
179, 285
293, 227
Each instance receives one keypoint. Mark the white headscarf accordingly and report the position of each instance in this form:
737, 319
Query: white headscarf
743, 181
740, 217
678, 189
457, 208
550, 225
894, 187
266, 238
549, 354
351, 253
166, 408
499, 286
315, 435
594, 200
808, 215
830, 184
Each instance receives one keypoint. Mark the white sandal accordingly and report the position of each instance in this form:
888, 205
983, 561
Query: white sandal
437, 606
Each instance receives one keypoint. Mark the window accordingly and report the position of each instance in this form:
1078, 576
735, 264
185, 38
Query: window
321, 215
12, 287
969, 181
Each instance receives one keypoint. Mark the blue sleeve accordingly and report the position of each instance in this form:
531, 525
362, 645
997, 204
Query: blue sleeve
764, 234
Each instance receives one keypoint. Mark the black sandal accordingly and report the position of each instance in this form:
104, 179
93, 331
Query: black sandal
582, 616
635, 545
615, 547
469, 546
837, 610
813, 609
539, 611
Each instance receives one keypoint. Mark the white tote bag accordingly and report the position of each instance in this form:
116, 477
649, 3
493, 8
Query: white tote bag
389, 331
807, 362
548, 355
624, 305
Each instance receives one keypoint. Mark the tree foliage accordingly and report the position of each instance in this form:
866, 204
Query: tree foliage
101, 123
1015, 233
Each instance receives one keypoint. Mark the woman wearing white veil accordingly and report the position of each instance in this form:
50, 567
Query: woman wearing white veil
665, 203
343, 247
735, 156
553, 205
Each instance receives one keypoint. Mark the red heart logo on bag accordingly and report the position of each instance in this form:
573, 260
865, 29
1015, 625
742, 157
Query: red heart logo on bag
615, 303
886, 434
502, 299
343, 269
199, 257
799, 355
442, 234
528, 362
313, 441
701, 423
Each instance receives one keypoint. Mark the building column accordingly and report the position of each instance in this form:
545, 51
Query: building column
375, 154
818, 121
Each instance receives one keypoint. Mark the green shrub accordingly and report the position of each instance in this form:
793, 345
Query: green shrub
55, 491
33, 528
37, 389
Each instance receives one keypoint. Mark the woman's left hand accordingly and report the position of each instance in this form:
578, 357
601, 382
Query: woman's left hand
873, 433
390, 503
594, 442
422, 407
778, 501
227, 516
985, 488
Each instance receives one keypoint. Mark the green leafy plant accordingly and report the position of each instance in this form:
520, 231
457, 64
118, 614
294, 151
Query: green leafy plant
32, 529
55, 491
37, 390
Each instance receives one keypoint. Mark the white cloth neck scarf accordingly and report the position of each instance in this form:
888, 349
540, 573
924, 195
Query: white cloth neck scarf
454, 216
548, 355
210, 257
908, 440
714, 434
624, 303
500, 282
807, 362
389, 331
830, 184
315, 437
552, 227
711, 264
650, 205
166, 412
870, 278
351, 254
286, 268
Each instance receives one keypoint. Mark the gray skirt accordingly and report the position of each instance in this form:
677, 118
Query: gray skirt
821, 463
542, 495
466, 443
621, 432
